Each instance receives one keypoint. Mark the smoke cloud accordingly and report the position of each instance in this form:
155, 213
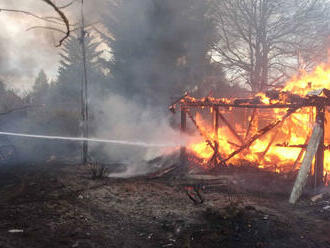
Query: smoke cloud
124, 119
24, 53
136, 111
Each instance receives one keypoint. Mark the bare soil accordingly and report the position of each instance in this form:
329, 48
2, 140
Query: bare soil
60, 206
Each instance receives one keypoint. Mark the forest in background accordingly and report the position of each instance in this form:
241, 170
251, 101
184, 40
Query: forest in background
158, 51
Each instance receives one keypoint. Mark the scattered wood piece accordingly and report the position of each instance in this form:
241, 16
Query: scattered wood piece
317, 197
209, 177
162, 172
16, 231
194, 194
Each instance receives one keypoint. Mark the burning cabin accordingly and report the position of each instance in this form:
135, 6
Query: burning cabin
271, 130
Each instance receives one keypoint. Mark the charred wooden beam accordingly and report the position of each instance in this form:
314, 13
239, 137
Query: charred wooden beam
259, 106
256, 100
233, 144
231, 129
272, 140
216, 158
172, 106
207, 139
183, 128
294, 101
250, 124
301, 153
326, 147
261, 133
292, 146
326, 92
311, 101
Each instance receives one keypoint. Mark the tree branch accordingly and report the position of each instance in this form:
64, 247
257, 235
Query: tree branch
64, 18
53, 20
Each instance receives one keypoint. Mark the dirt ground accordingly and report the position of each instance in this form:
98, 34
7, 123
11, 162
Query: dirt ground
60, 206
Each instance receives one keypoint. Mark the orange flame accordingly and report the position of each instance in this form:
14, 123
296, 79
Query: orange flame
293, 131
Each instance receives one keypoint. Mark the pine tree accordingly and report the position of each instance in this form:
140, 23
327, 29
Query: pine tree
40, 88
67, 89
64, 99
2, 89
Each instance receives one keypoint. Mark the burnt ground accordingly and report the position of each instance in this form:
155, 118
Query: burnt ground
60, 206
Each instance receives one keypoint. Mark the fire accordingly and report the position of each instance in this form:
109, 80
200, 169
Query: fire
305, 82
274, 150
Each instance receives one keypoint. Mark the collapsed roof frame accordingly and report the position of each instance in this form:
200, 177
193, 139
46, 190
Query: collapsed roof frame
318, 99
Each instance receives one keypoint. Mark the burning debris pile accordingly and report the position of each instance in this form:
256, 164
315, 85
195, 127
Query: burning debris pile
270, 130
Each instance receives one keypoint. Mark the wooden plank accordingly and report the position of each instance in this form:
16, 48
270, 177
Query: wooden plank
319, 157
307, 163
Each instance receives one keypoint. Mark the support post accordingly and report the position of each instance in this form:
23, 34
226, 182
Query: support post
183, 128
319, 157
216, 121
216, 137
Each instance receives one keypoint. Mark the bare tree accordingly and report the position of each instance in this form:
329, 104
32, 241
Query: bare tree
60, 20
259, 40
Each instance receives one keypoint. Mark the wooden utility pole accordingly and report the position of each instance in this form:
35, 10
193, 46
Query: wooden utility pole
183, 128
84, 89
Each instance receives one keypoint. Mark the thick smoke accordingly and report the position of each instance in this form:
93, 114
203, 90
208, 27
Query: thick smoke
124, 119
166, 63
160, 51
24, 53
160, 47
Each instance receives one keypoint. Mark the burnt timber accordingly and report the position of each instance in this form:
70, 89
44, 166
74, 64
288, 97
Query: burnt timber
292, 103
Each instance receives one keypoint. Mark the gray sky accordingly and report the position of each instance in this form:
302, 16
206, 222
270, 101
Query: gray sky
23, 53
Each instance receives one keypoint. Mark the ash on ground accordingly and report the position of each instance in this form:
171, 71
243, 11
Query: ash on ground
56, 205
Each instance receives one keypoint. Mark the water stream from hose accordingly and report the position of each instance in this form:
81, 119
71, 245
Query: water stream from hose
112, 141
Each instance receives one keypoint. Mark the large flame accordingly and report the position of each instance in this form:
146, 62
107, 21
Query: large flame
271, 151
